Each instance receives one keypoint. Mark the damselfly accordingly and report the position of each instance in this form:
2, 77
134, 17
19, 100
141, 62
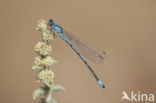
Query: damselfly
78, 47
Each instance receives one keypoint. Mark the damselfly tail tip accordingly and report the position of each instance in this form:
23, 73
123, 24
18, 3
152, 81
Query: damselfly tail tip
101, 84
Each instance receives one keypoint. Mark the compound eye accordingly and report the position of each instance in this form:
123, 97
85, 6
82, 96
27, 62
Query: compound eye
50, 22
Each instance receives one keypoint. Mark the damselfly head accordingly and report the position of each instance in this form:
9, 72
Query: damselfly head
50, 22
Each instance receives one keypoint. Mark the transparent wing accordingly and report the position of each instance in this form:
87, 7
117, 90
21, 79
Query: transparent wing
84, 50
54, 34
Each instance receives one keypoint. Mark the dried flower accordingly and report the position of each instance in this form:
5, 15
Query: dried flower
42, 26
46, 75
47, 37
42, 48
43, 62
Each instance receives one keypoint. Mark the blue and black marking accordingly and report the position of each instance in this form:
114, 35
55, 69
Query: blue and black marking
58, 29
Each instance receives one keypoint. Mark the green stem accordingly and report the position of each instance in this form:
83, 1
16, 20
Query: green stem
48, 95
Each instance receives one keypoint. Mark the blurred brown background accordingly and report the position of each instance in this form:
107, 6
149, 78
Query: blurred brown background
125, 29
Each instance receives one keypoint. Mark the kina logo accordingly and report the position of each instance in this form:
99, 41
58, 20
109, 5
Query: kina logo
137, 96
